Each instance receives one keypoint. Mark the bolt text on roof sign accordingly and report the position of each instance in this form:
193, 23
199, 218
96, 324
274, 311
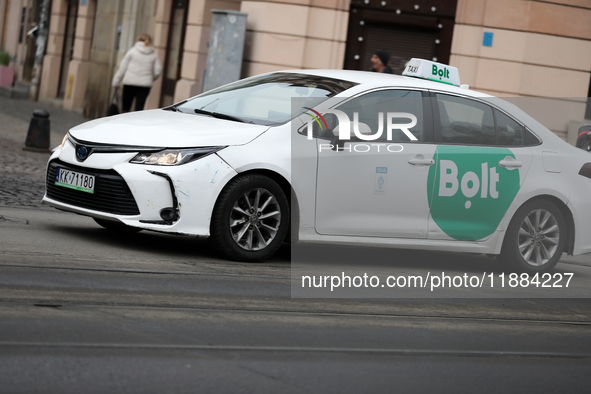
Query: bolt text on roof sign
432, 71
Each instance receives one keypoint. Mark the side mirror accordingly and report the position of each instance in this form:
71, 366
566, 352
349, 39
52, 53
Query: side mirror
363, 129
322, 130
584, 138
336, 143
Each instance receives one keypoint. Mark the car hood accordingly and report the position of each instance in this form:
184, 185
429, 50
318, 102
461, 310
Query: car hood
166, 129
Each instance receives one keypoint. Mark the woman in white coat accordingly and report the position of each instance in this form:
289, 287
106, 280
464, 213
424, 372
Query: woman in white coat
137, 72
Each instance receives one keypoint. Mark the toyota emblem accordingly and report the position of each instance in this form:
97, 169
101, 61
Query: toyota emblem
81, 153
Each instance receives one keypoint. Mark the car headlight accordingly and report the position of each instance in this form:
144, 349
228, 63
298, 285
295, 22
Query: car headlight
64, 140
174, 157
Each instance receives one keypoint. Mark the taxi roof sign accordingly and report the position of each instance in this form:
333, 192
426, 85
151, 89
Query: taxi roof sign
432, 71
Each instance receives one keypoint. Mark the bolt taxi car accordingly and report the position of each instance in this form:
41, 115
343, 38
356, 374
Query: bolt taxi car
342, 157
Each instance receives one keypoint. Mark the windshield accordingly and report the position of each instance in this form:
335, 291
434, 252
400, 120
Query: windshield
266, 99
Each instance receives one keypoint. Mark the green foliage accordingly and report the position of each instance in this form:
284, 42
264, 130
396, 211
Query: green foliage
5, 58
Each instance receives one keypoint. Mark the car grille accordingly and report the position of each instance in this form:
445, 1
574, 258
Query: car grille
111, 193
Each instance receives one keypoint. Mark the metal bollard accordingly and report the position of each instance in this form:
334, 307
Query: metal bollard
38, 134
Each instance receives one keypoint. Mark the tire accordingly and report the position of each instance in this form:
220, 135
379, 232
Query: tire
117, 227
250, 219
535, 238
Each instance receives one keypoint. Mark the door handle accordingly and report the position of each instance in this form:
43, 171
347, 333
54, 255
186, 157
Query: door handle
511, 163
421, 162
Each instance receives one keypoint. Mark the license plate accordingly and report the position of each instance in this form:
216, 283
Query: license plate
74, 180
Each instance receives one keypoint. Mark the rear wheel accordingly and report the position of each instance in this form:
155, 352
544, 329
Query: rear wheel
535, 239
117, 226
250, 219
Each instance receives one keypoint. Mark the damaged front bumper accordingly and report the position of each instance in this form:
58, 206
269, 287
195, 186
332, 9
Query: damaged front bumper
173, 199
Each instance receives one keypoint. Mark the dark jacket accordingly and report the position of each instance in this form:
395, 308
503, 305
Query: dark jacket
387, 70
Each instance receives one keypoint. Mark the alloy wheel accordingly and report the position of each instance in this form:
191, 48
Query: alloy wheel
539, 236
255, 219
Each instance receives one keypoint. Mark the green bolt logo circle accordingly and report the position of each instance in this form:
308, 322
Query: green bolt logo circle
469, 192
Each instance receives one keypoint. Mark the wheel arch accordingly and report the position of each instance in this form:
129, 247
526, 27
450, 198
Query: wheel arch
284, 184
566, 213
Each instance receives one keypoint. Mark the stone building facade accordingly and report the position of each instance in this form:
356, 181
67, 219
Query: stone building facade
509, 48
539, 49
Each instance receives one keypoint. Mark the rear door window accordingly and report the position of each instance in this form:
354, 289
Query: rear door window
469, 122
465, 122
509, 132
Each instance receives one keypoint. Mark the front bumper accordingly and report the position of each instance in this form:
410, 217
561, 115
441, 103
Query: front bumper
136, 194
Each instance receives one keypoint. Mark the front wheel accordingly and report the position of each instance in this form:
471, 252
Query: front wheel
250, 219
535, 238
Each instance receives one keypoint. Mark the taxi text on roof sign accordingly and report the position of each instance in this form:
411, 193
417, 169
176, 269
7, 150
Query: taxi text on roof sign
432, 71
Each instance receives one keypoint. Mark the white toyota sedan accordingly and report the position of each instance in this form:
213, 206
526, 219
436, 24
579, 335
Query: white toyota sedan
338, 157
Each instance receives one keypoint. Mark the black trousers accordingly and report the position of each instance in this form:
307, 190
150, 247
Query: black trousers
130, 92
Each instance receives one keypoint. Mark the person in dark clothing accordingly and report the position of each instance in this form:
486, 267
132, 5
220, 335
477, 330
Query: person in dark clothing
379, 61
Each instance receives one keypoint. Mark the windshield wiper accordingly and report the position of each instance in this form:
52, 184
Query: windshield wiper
219, 115
174, 107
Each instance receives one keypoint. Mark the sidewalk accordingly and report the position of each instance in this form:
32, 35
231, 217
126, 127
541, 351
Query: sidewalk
22, 172
15, 116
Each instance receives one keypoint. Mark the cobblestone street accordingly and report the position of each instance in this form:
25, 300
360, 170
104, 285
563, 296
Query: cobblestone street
22, 176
